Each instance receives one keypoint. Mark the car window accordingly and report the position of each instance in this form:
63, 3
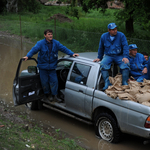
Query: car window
64, 63
80, 73
24, 68
26, 73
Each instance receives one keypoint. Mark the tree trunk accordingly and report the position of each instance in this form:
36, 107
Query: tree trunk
129, 22
129, 25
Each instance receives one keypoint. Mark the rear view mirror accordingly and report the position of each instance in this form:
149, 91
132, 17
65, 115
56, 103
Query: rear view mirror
32, 69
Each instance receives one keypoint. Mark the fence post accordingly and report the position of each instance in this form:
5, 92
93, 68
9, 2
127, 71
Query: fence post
20, 32
55, 26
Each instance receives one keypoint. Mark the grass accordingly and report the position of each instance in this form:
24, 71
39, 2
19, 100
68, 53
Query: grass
80, 35
17, 136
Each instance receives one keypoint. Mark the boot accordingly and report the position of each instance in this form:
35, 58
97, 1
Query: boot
57, 99
105, 75
49, 97
125, 76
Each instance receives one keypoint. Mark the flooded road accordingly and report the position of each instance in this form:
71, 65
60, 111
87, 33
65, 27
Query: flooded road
10, 54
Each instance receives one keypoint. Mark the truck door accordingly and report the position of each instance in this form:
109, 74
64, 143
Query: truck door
26, 86
75, 91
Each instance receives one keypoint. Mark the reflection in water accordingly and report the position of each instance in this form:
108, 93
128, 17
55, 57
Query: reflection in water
10, 55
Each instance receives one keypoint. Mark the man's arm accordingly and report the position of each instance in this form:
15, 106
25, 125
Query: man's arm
125, 60
65, 50
33, 51
145, 63
125, 47
25, 58
144, 71
75, 54
96, 60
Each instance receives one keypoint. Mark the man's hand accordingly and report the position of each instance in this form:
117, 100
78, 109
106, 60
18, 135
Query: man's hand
96, 60
25, 58
125, 60
75, 54
144, 71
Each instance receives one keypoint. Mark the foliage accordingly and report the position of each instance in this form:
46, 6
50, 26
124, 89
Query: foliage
29, 5
2, 6
94, 4
136, 9
72, 10
79, 35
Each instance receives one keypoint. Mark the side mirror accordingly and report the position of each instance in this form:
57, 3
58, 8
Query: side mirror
32, 69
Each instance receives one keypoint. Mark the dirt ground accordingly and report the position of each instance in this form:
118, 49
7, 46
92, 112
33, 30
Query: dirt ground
9, 35
60, 18
15, 117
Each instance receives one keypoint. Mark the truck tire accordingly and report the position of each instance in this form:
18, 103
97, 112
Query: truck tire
40, 105
32, 105
106, 128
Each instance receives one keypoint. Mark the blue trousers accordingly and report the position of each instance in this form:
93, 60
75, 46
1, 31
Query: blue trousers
49, 81
117, 59
140, 78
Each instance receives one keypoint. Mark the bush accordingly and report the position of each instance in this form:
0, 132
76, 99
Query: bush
29, 5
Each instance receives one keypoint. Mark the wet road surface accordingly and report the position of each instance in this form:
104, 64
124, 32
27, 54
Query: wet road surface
10, 54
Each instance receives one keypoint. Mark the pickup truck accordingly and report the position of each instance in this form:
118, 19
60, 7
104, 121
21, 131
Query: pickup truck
80, 88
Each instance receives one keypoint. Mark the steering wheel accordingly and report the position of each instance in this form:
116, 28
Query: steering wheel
64, 74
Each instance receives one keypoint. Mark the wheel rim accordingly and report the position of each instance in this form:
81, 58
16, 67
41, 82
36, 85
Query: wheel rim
105, 129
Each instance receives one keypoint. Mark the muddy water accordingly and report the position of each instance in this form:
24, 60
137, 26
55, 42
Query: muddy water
10, 53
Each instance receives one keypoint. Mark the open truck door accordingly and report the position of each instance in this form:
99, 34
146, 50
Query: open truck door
27, 85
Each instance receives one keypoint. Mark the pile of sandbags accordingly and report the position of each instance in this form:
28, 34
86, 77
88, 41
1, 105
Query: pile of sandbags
135, 91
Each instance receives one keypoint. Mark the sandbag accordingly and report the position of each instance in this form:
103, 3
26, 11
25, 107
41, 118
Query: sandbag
126, 96
145, 97
134, 91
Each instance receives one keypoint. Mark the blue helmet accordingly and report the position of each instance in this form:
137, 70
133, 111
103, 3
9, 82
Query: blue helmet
112, 26
133, 46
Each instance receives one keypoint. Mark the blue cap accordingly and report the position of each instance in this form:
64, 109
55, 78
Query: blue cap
133, 46
112, 26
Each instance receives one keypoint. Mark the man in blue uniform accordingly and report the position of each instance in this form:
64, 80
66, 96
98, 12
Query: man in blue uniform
113, 47
145, 55
138, 64
47, 50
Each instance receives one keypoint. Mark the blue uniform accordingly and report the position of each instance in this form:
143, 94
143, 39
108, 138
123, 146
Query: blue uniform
113, 50
137, 64
47, 63
46, 60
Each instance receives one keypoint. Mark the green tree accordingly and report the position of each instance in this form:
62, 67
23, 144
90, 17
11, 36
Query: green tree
134, 11
94, 4
72, 10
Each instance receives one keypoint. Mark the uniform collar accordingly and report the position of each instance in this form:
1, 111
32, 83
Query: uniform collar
108, 37
48, 41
